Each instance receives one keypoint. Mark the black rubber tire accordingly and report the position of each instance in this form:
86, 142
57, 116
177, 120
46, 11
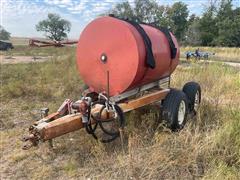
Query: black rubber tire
191, 89
170, 109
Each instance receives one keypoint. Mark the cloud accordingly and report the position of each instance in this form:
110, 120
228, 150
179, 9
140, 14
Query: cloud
59, 2
21, 16
77, 8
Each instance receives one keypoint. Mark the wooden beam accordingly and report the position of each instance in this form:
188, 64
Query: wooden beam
144, 100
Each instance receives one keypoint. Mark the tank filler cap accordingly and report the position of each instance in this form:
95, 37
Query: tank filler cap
103, 58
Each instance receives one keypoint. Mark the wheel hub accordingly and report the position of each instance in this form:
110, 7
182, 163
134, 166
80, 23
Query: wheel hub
181, 112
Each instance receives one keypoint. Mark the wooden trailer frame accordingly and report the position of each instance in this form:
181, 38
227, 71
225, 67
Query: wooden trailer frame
57, 124
68, 119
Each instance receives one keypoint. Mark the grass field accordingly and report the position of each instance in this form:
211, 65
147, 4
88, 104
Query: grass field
207, 148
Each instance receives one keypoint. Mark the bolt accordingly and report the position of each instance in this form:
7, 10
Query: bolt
104, 58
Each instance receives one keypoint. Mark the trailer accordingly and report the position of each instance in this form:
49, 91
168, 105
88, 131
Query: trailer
120, 77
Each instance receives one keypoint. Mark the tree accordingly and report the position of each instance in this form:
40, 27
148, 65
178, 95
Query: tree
208, 26
149, 11
143, 11
228, 23
55, 27
193, 34
4, 35
177, 15
225, 10
146, 10
217, 26
192, 19
161, 17
123, 10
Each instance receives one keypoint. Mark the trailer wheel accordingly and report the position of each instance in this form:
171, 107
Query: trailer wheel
193, 92
175, 109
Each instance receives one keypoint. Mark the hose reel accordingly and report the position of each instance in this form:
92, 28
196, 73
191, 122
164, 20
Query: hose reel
114, 115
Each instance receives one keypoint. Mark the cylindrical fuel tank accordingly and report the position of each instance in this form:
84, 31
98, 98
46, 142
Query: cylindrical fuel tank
113, 46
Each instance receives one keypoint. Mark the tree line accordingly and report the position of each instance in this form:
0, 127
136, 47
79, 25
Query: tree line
219, 25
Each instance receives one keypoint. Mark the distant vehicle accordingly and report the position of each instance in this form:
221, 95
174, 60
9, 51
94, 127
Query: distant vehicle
4, 46
200, 55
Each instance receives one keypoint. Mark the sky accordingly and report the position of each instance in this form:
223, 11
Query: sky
19, 17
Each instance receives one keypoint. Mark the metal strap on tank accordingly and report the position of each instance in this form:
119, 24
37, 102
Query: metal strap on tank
166, 32
150, 61
173, 48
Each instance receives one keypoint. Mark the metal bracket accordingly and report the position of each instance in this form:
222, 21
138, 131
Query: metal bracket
163, 83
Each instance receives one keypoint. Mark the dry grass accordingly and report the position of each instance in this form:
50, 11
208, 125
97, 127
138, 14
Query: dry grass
208, 148
19, 40
221, 53
22, 50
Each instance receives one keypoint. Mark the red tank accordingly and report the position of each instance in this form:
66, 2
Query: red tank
111, 45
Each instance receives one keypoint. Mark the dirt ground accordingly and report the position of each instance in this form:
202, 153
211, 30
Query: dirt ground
22, 59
